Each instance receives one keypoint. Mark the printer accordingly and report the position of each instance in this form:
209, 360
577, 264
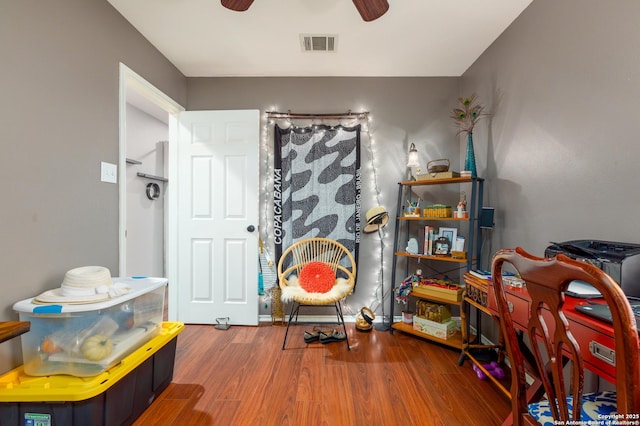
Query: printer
621, 261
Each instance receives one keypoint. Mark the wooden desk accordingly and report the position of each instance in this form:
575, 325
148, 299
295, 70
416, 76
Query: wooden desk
594, 337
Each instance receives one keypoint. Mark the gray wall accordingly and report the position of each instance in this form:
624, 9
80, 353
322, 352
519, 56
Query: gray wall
403, 110
560, 150
59, 84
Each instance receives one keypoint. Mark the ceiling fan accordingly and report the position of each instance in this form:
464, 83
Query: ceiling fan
368, 9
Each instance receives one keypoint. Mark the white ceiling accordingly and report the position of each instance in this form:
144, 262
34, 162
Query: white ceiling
414, 38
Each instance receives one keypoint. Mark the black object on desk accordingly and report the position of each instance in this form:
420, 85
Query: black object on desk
601, 311
621, 261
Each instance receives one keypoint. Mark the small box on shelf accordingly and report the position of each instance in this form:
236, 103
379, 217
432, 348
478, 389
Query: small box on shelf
451, 292
458, 254
433, 311
412, 212
438, 175
437, 211
444, 330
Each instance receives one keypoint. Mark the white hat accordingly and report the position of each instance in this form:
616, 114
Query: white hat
86, 284
377, 217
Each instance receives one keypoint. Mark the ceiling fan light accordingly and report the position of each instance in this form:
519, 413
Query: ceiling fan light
237, 5
371, 10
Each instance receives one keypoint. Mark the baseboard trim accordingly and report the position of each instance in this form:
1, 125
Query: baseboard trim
309, 319
331, 319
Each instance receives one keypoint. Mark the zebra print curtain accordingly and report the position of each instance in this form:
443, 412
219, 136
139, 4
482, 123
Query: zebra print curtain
317, 182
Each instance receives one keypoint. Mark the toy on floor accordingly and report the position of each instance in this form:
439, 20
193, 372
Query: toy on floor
493, 368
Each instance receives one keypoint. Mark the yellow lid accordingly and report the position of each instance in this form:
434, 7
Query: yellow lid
16, 386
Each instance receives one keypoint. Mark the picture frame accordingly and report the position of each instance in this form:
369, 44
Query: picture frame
442, 246
450, 234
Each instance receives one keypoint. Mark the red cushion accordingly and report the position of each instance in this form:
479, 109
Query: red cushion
317, 277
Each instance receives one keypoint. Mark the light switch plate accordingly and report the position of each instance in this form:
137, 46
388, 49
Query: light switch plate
108, 172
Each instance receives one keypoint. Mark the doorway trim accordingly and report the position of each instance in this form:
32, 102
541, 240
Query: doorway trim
129, 82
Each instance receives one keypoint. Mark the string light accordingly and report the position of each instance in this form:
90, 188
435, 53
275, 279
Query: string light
378, 297
268, 176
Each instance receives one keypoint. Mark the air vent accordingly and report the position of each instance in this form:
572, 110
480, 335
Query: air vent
318, 43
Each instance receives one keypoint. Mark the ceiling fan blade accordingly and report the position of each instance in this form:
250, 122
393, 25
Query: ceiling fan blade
371, 9
237, 5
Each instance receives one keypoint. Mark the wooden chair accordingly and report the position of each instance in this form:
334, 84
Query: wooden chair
314, 250
553, 345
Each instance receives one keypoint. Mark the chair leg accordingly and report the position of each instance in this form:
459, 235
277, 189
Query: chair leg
294, 311
341, 321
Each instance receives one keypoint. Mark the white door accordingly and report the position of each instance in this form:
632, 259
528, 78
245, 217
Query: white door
217, 209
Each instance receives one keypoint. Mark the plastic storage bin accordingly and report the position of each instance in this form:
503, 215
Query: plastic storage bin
115, 397
86, 339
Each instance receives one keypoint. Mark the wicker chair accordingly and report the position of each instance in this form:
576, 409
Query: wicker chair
301, 254
549, 334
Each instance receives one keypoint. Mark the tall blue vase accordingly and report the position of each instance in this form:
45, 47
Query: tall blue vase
470, 158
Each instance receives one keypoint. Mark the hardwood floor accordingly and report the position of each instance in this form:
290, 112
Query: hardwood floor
240, 376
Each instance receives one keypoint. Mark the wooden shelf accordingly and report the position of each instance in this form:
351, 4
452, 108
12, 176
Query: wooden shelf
430, 219
440, 181
455, 341
436, 299
476, 296
477, 305
11, 329
403, 227
503, 384
431, 257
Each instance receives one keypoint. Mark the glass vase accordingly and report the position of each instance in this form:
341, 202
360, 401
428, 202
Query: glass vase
470, 158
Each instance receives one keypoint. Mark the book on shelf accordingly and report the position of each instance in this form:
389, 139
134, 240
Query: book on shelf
425, 240
430, 234
486, 275
432, 240
481, 273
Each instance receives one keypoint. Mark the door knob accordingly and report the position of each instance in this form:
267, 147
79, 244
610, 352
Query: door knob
251, 228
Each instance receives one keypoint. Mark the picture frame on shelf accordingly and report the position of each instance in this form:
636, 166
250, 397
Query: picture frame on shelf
442, 246
450, 234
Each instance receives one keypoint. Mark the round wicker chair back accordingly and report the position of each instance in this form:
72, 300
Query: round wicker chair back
331, 252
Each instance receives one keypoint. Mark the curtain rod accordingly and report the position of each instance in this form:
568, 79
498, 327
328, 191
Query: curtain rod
289, 114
